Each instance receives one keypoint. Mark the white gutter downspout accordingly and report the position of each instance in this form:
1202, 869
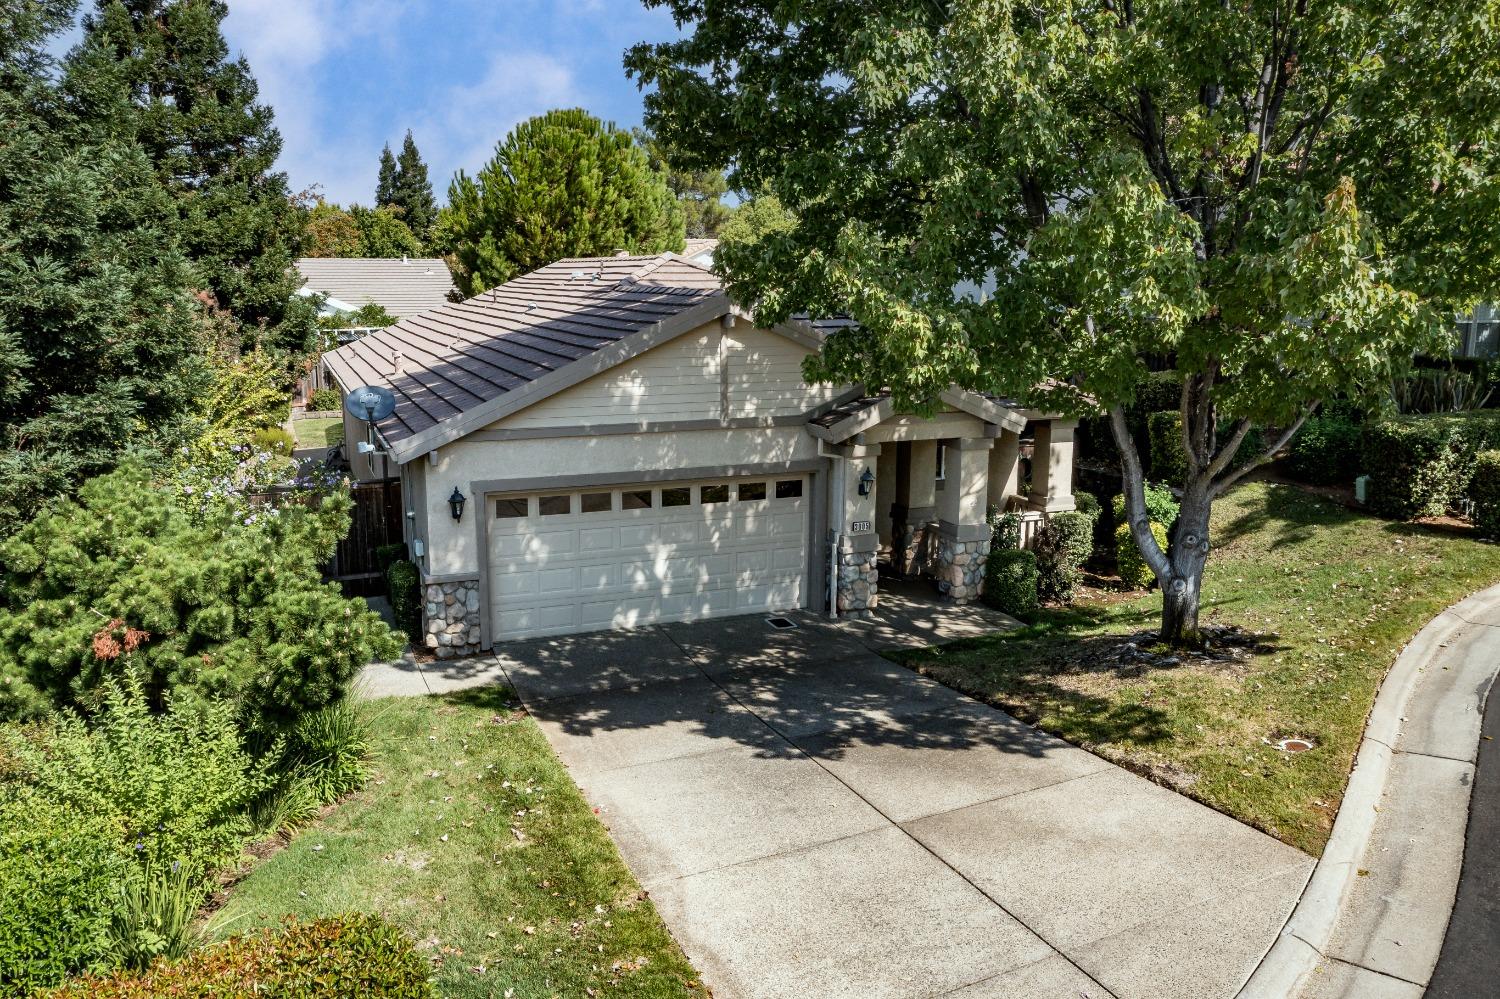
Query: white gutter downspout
835, 508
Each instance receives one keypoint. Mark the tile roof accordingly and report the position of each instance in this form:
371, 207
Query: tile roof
402, 287
448, 361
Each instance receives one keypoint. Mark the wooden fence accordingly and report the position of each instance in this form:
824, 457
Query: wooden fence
377, 519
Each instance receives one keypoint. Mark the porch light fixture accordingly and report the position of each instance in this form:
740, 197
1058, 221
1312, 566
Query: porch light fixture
456, 504
866, 482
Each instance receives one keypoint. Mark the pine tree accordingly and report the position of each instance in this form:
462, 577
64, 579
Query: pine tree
413, 191
214, 148
700, 192
385, 183
99, 337
560, 185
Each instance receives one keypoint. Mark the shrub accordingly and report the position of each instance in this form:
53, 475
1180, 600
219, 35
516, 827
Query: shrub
325, 400
348, 955
1088, 505
61, 872
155, 918
329, 749
1063, 544
1421, 464
1325, 451
274, 440
172, 787
218, 601
1133, 568
1484, 490
1161, 506
387, 554
404, 583
1010, 581
1005, 530
1168, 459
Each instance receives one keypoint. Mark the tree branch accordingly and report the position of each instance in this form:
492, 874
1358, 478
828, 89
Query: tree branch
1270, 452
1135, 496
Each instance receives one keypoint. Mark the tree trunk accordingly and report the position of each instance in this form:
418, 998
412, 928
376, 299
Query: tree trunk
1187, 557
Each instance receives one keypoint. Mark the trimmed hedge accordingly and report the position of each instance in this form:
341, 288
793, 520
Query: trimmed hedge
1168, 458
1421, 464
1062, 546
1161, 506
1010, 580
1484, 491
1088, 505
350, 955
1326, 451
1133, 568
404, 583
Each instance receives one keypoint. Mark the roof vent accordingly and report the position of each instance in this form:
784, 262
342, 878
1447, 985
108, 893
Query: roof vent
530, 306
622, 253
398, 361
575, 275
404, 261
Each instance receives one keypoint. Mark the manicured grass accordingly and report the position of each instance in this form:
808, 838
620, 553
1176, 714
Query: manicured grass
1334, 595
322, 431
473, 838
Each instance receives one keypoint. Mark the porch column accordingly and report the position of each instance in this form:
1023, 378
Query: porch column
963, 542
1005, 469
916, 486
1052, 466
859, 544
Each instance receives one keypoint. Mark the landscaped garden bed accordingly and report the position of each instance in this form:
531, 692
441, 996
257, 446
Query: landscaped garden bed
1323, 598
472, 838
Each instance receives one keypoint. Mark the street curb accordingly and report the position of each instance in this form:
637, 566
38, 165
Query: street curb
1309, 930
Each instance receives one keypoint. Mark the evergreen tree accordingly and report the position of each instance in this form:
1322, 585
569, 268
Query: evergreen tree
99, 336
382, 233
699, 192
563, 184
214, 147
385, 183
413, 191
331, 232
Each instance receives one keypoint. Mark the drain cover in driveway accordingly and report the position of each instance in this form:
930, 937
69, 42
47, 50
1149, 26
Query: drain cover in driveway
781, 623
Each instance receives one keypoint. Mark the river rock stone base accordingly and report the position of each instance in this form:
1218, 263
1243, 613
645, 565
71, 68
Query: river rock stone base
960, 568
452, 618
859, 584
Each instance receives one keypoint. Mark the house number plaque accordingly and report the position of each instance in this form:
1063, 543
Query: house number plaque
861, 525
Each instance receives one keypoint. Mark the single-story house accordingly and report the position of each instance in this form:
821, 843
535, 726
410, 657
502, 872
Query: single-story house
610, 442
401, 287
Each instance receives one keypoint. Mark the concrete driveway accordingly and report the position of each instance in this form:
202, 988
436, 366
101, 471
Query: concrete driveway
813, 820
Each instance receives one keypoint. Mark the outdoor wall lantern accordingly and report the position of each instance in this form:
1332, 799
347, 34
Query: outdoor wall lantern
866, 482
456, 504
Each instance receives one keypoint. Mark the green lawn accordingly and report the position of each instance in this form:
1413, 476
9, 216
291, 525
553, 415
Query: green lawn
322, 431
473, 838
1334, 596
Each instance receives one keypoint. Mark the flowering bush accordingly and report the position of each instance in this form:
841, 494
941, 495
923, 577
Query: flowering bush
204, 592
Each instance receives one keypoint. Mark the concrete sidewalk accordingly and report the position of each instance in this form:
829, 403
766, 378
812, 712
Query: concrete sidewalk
812, 819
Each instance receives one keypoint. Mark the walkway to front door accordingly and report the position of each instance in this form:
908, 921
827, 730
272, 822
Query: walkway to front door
813, 820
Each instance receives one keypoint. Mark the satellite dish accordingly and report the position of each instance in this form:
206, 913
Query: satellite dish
371, 403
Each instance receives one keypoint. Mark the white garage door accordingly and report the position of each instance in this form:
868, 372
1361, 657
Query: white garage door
589, 559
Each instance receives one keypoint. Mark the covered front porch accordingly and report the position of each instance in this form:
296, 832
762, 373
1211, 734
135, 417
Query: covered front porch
910, 496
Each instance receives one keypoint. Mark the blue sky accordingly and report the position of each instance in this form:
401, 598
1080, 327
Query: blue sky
347, 76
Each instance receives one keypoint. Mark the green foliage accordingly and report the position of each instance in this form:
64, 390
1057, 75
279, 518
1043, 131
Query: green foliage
172, 87
1484, 491
288, 805
61, 872
1005, 530
403, 583
561, 185
331, 232
171, 787
1132, 567
345, 955
1442, 390
384, 233
155, 916
1063, 544
699, 192
206, 595
1168, 457
386, 554
1010, 581
385, 179
325, 400
99, 335
1161, 506
1088, 505
411, 191
274, 440
328, 749
1326, 451
757, 219
1422, 464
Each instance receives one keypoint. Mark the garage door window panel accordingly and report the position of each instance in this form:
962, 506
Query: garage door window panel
789, 489
716, 493
752, 491
597, 503
635, 499
555, 506
511, 507
682, 496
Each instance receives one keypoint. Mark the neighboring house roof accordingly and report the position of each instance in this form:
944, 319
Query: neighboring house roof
466, 364
858, 415
701, 250
402, 287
